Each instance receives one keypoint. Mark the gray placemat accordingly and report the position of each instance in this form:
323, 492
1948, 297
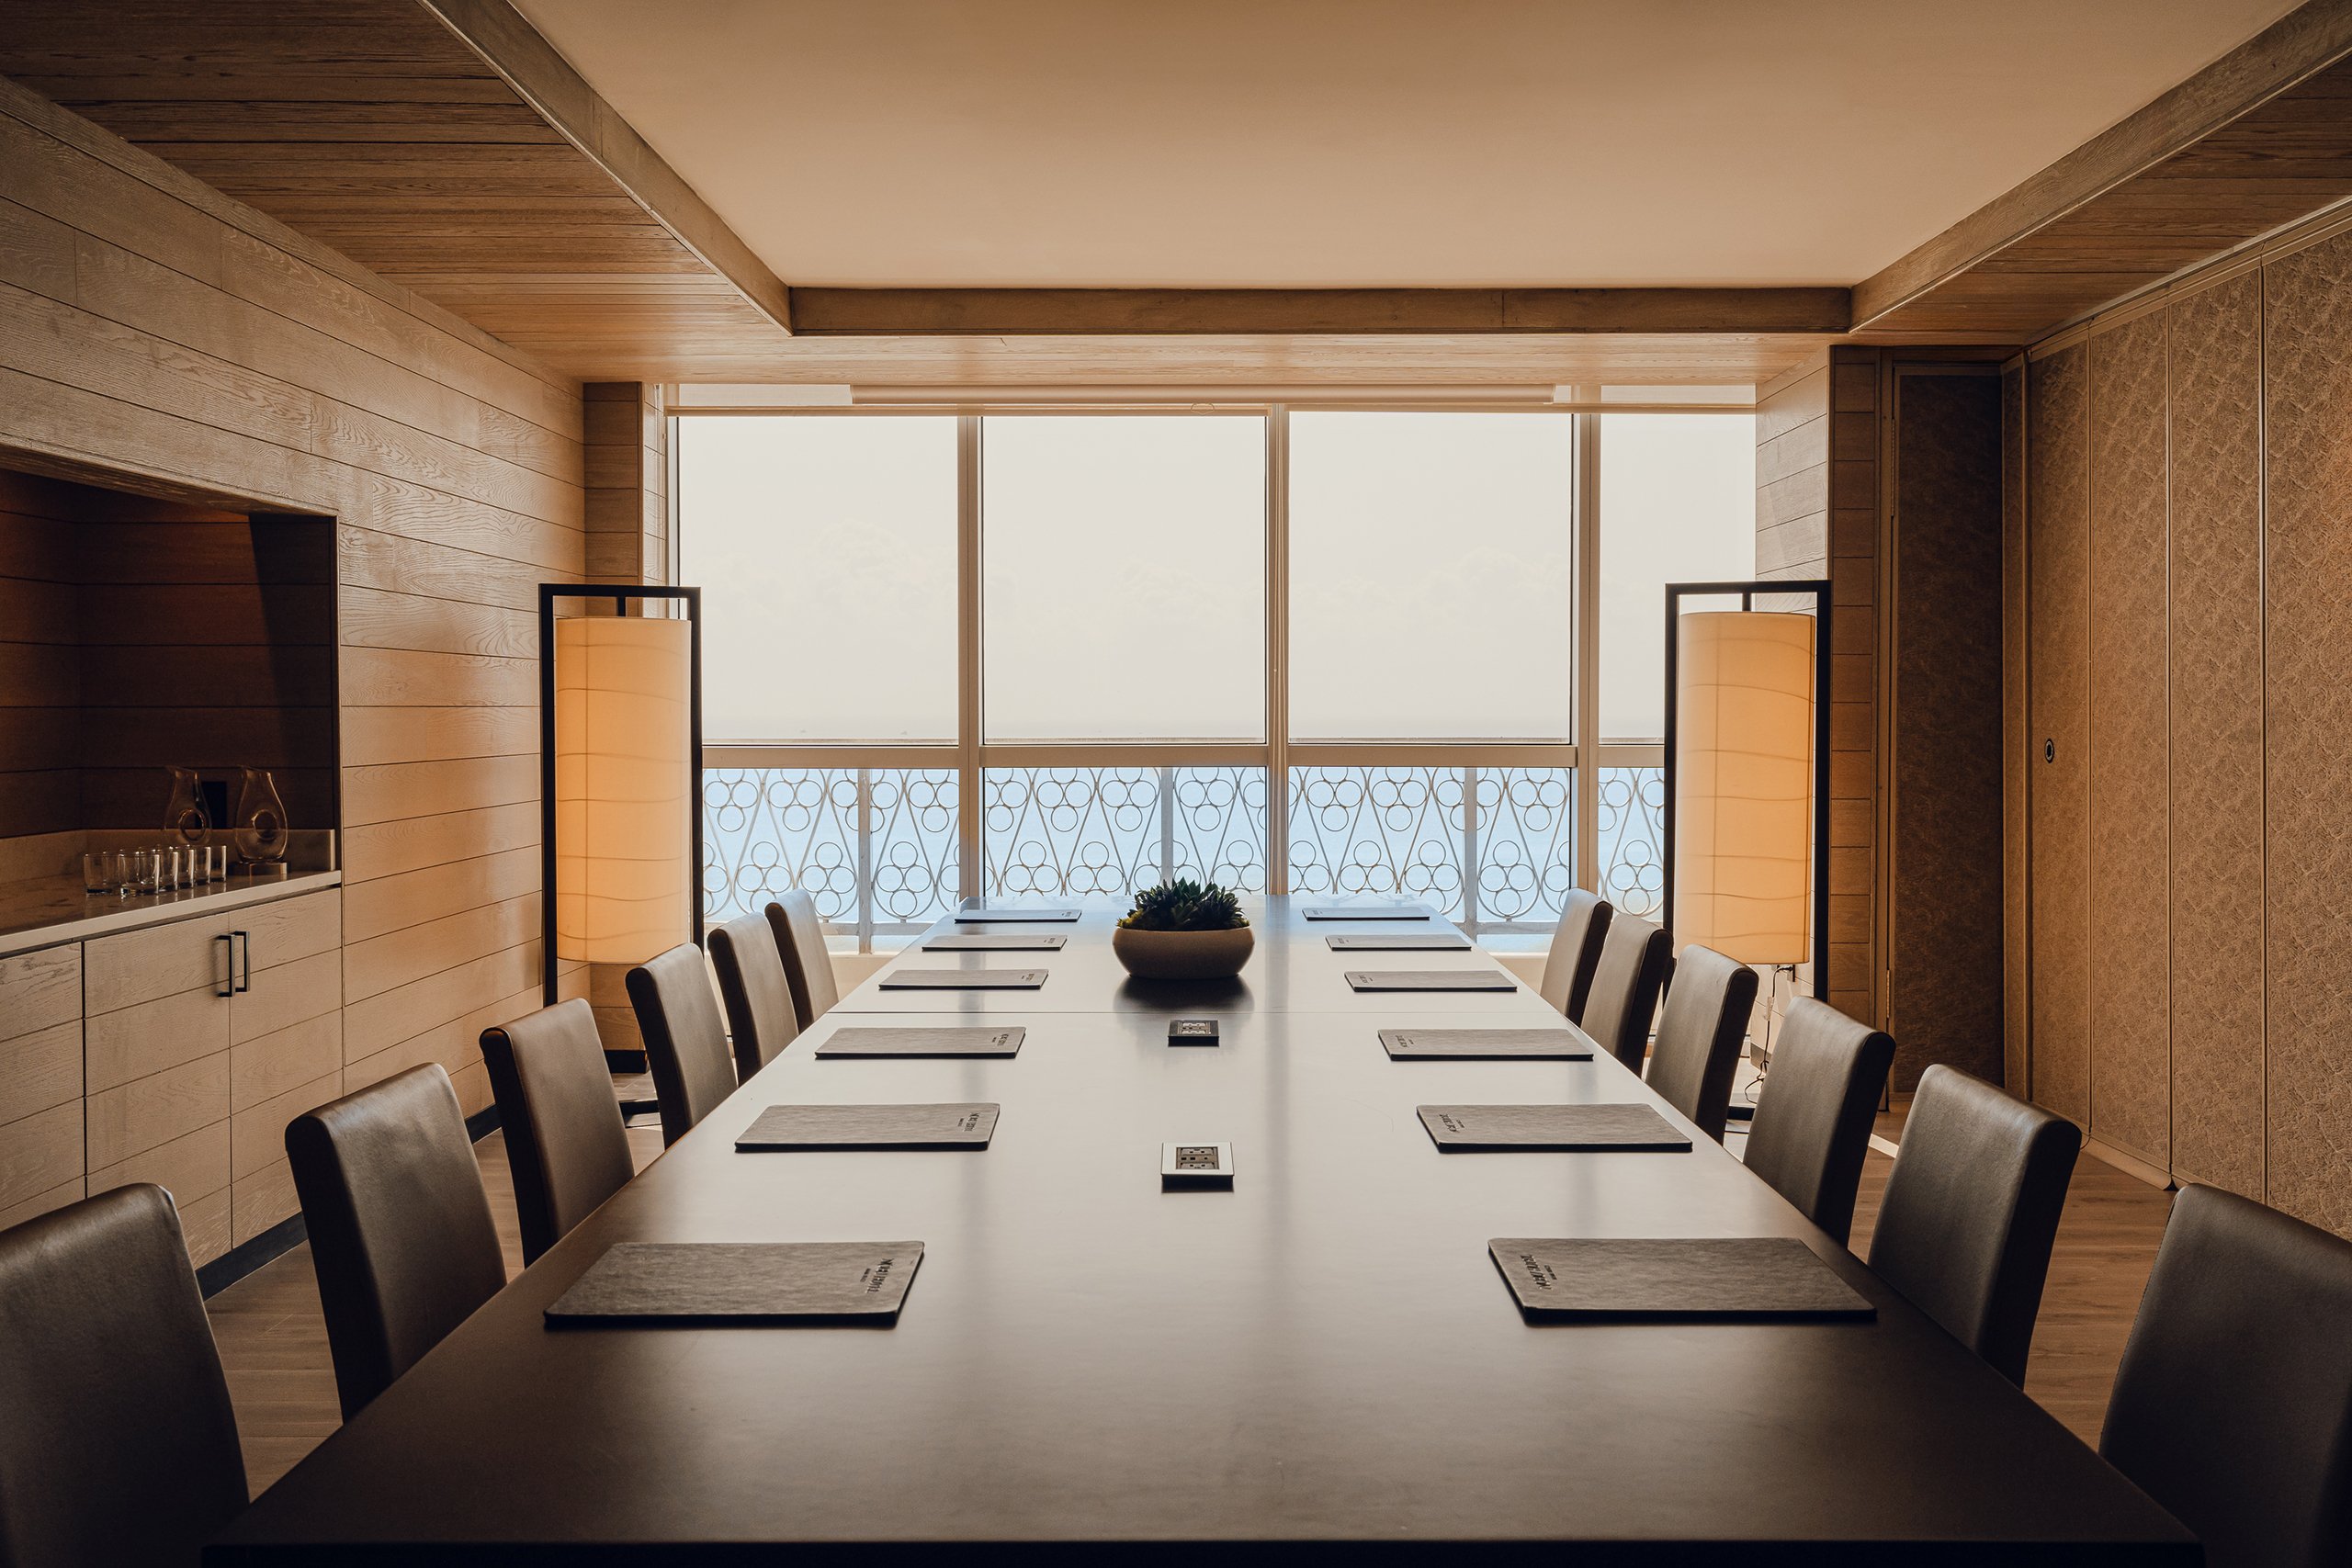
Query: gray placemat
1367, 913
964, 1126
1576, 1127
741, 1283
1737, 1277
1431, 980
1486, 1044
1434, 942
963, 979
994, 941
1011, 916
978, 1041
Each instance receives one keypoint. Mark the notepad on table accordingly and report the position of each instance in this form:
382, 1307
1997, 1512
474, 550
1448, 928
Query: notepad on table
1631, 1127
953, 1126
963, 979
1486, 1044
745, 1284
1367, 913
1433, 942
1431, 980
1735, 1277
994, 941
900, 1041
1011, 916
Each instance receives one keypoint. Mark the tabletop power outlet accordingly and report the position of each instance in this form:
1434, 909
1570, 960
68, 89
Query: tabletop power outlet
1192, 1031
1195, 1164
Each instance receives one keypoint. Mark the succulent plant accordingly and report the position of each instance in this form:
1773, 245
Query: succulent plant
1185, 906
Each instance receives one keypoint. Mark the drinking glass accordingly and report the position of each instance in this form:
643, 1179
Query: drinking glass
97, 872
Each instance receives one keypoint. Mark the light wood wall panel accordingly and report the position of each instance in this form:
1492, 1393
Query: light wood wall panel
2307, 353
2217, 721
181, 343
1793, 475
2130, 949
2059, 557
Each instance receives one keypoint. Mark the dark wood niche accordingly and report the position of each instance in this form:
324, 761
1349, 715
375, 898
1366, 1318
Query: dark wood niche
137, 633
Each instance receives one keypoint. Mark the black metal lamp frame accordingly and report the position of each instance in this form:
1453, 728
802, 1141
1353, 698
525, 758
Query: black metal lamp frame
1818, 590
621, 597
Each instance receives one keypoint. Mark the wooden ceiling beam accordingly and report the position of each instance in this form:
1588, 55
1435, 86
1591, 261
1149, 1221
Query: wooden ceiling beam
1249, 312
2298, 46
509, 45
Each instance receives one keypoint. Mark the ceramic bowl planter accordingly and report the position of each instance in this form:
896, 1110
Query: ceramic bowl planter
1182, 956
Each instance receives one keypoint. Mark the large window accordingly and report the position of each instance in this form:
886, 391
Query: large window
1432, 576
1126, 578
1068, 654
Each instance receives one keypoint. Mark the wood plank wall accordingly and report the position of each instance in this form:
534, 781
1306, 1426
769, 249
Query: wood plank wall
2189, 640
1817, 515
41, 667
151, 326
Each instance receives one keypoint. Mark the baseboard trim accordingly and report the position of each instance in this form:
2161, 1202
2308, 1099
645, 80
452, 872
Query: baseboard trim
2129, 1165
233, 1265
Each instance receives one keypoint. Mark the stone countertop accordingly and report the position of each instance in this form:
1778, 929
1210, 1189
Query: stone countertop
48, 910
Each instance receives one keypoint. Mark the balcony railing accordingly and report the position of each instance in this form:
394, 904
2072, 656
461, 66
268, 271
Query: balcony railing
1493, 848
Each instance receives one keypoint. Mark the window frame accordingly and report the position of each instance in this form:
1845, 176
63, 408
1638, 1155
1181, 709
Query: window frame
1585, 756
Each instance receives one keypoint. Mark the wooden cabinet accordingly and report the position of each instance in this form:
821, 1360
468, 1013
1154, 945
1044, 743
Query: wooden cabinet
174, 1053
41, 1163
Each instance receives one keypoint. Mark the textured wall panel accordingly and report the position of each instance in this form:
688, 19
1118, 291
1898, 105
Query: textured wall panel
1944, 984
2308, 754
2217, 1026
2129, 950
2059, 1075
2017, 721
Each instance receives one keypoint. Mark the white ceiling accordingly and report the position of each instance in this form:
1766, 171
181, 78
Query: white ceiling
1318, 144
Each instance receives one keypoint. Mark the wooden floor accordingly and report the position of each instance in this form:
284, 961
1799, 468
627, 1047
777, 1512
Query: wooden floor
274, 1342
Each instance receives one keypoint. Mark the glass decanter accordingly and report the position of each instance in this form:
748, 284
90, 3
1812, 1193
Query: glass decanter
261, 819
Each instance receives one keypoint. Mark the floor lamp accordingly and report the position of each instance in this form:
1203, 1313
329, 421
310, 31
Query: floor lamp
620, 759
1746, 846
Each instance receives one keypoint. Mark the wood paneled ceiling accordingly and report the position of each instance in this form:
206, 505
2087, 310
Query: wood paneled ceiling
373, 126
446, 145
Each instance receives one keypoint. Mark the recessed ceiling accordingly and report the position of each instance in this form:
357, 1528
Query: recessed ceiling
1321, 143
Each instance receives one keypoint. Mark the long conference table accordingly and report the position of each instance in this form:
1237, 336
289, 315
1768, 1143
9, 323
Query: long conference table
1323, 1355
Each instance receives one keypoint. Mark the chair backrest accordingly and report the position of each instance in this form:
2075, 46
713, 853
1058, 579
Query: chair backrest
117, 1444
2233, 1406
1575, 952
800, 938
686, 1043
1635, 960
1700, 1034
761, 1013
564, 1139
401, 1232
1969, 1212
1813, 1120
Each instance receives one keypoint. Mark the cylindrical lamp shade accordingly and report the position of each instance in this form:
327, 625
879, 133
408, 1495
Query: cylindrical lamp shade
624, 786
1743, 785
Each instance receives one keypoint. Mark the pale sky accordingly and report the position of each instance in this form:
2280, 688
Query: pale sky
1125, 562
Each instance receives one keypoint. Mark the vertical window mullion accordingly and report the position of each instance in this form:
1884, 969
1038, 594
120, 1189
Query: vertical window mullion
1277, 650
1584, 512
971, 807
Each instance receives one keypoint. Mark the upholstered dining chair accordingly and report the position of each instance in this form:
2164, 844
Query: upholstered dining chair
117, 1443
686, 1042
1635, 962
800, 937
1700, 1034
1812, 1128
1969, 1212
1575, 952
401, 1232
2233, 1406
565, 1143
761, 1014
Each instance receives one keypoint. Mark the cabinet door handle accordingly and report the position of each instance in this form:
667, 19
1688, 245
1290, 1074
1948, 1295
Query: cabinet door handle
229, 958
245, 940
